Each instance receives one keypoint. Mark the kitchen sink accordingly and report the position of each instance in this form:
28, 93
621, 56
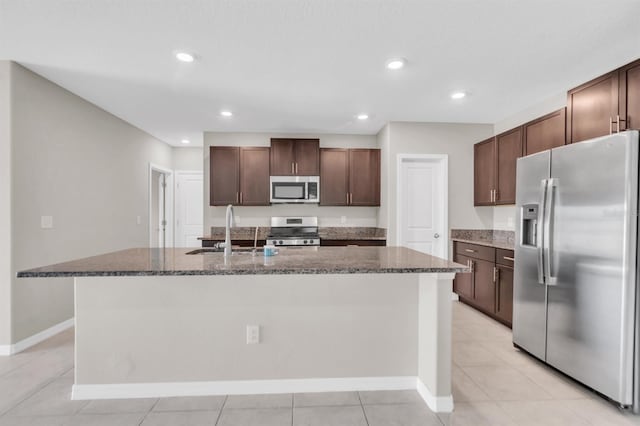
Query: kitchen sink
241, 250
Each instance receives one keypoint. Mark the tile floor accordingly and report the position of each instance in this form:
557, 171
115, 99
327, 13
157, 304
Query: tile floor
493, 384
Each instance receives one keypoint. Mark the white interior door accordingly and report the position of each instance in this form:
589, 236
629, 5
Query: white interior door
189, 209
422, 203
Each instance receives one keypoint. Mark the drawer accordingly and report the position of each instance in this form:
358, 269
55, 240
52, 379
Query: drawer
504, 257
475, 251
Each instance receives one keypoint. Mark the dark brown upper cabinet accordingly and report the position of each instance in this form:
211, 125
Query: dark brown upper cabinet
508, 150
364, 177
239, 175
592, 108
545, 132
484, 169
629, 96
349, 177
494, 168
295, 157
224, 175
605, 105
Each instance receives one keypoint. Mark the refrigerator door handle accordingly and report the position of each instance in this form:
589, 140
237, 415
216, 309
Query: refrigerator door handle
540, 231
550, 279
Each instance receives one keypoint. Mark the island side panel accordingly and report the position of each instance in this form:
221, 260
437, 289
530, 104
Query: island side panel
167, 329
435, 328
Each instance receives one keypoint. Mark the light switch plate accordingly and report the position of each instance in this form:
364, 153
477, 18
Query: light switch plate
46, 222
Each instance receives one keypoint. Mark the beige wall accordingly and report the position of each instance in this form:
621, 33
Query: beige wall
190, 158
455, 140
5, 204
86, 168
259, 216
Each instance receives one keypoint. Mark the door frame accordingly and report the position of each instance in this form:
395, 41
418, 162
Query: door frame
169, 204
443, 159
177, 174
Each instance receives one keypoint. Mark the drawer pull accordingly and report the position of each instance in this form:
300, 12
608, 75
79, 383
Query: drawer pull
469, 251
507, 258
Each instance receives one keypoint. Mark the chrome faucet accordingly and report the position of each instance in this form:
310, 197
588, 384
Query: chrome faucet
227, 231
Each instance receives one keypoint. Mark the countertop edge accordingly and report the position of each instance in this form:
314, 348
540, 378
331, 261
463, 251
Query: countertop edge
68, 274
504, 246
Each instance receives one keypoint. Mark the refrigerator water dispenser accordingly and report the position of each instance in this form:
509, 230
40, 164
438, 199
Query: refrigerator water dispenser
529, 225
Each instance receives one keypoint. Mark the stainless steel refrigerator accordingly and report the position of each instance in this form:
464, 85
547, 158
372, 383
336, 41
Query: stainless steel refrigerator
576, 295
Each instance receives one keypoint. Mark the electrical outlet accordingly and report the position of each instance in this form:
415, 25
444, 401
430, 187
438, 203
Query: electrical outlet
253, 334
46, 222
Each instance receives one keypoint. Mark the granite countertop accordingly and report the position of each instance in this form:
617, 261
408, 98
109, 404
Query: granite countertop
326, 233
303, 260
485, 237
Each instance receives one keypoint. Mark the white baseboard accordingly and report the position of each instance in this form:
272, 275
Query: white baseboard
454, 296
437, 404
240, 387
6, 350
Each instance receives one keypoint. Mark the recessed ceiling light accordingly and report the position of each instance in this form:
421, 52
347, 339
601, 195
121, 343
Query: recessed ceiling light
185, 141
362, 116
396, 64
458, 95
185, 57
226, 113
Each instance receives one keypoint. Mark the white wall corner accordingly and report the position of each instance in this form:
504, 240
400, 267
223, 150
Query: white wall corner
20, 346
437, 404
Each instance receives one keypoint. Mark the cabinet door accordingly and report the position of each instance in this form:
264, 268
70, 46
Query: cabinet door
334, 177
307, 157
592, 107
484, 286
364, 177
224, 185
484, 167
545, 132
254, 176
463, 283
508, 150
504, 294
282, 157
630, 96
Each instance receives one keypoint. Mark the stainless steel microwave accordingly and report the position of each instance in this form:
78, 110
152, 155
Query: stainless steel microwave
295, 189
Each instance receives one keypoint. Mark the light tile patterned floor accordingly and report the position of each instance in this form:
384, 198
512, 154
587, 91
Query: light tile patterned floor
493, 384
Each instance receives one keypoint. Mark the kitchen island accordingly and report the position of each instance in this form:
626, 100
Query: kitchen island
162, 322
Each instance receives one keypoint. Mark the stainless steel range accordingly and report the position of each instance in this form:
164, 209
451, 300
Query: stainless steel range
294, 231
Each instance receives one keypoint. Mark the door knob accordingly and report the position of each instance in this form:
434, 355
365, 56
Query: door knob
436, 235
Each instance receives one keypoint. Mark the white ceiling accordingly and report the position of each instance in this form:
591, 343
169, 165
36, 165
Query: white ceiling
312, 65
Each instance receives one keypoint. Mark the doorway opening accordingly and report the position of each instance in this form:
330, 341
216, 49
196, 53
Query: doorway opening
422, 204
160, 207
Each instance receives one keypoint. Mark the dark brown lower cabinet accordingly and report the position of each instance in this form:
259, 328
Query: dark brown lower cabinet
463, 283
484, 288
489, 287
504, 293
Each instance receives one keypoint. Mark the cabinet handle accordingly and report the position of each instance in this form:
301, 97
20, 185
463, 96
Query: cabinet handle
610, 125
296, 168
351, 198
508, 258
240, 197
495, 274
469, 251
347, 198
491, 195
618, 120
471, 265
495, 195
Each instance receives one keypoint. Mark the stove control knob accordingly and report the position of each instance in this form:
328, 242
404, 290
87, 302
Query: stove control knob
281, 242
305, 241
